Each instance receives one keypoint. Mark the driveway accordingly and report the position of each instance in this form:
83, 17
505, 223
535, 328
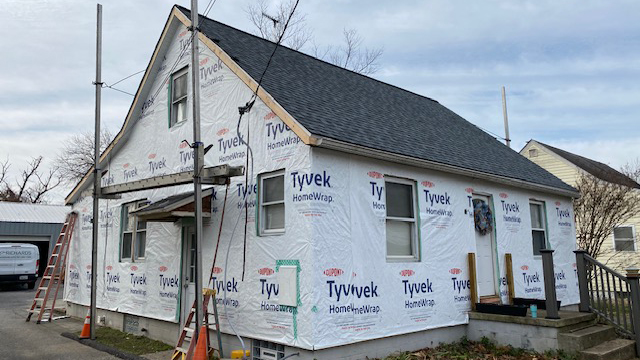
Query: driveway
28, 340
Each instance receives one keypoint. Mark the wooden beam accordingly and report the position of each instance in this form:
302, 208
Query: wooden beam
471, 260
509, 265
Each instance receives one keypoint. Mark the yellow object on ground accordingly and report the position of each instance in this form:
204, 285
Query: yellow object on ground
237, 354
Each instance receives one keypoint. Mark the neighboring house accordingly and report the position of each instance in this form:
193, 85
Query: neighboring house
365, 192
36, 224
620, 250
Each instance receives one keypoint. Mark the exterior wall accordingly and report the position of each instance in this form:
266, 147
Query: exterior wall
246, 268
567, 172
349, 243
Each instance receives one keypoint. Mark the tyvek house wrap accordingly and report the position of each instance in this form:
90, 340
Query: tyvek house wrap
335, 230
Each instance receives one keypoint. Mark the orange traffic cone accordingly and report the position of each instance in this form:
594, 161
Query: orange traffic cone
86, 328
202, 348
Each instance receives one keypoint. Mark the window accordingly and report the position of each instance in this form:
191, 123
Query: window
402, 238
624, 238
134, 233
533, 152
272, 203
538, 227
178, 95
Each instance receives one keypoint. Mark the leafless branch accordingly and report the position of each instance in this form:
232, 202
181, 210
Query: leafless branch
32, 184
601, 207
76, 157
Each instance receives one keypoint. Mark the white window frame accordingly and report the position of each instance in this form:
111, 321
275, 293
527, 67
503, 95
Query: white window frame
132, 206
415, 241
172, 110
633, 233
263, 204
543, 220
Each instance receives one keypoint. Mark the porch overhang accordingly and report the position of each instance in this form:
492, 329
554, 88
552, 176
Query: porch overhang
175, 207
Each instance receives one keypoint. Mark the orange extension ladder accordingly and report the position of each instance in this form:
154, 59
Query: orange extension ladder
44, 301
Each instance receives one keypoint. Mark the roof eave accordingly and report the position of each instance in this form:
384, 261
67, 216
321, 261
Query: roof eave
332, 144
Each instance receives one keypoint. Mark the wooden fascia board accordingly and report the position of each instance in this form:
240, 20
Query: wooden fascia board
271, 103
81, 184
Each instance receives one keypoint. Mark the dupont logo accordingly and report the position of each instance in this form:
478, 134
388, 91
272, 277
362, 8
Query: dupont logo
183, 33
85, 209
574, 265
558, 203
524, 267
109, 267
270, 116
469, 190
265, 271
407, 272
163, 268
134, 268
204, 61
353, 274
125, 165
152, 156
217, 270
455, 271
183, 144
72, 266
88, 267
503, 195
333, 272
222, 131
375, 175
428, 184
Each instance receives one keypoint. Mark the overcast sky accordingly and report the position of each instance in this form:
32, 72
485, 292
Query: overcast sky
571, 68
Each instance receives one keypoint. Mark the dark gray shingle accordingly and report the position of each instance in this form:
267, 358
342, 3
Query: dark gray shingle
339, 104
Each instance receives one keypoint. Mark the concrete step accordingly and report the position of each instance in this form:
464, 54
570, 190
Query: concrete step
585, 338
617, 349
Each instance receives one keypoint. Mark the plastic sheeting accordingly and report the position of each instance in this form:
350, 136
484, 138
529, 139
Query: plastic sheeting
334, 230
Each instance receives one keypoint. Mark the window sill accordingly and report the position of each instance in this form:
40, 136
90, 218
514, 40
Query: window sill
406, 259
272, 233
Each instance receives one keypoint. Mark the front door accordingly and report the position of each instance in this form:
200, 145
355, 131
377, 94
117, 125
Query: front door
188, 270
485, 253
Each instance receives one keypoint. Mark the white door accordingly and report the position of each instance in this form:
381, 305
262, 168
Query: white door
485, 256
188, 270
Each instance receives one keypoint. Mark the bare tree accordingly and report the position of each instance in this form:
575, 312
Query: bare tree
350, 55
31, 186
601, 207
270, 26
76, 157
632, 170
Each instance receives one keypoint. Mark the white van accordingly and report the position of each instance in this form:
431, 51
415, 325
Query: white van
19, 264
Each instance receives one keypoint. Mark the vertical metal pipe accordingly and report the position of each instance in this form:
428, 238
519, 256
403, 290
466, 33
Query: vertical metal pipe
96, 175
633, 277
581, 268
549, 284
198, 162
507, 139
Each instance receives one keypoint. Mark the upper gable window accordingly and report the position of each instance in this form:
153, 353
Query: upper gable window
533, 152
178, 96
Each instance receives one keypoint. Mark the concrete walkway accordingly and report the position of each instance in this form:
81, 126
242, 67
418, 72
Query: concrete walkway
28, 340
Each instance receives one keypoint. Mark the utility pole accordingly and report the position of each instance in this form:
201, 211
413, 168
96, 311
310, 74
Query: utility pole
507, 139
96, 177
198, 162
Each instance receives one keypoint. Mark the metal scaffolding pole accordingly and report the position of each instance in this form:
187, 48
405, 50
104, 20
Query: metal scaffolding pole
198, 162
96, 176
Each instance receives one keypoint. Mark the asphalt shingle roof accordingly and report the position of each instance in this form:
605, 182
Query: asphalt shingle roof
595, 168
332, 102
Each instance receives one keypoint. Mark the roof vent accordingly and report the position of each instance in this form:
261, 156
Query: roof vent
533, 153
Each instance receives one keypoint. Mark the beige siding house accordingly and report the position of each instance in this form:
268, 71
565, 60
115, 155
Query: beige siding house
621, 250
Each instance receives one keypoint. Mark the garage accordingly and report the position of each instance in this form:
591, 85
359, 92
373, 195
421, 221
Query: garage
35, 224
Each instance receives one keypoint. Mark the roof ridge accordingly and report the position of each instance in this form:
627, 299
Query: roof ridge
183, 9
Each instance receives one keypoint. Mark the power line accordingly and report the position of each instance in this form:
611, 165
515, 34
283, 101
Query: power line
104, 85
209, 7
125, 78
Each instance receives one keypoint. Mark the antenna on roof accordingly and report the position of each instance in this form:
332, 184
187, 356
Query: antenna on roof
507, 139
275, 21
